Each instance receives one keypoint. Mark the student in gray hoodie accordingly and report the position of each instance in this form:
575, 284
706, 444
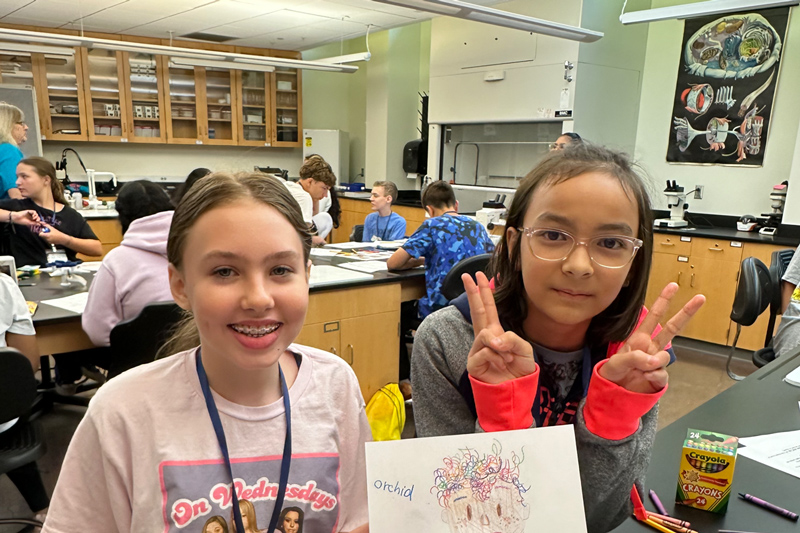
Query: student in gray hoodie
562, 337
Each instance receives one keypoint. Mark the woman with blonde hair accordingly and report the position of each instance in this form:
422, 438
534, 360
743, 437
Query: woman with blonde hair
13, 132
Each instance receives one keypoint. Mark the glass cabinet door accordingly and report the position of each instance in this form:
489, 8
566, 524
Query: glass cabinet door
105, 96
145, 101
220, 127
254, 107
64, 115
16, 70
181, 105
288, 114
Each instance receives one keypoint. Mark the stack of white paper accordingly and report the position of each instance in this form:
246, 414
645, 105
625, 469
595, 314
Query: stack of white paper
778, 450
793, 377
366, 266
75, 303
326, 275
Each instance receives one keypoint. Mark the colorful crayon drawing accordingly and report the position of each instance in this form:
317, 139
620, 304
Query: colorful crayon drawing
482, 493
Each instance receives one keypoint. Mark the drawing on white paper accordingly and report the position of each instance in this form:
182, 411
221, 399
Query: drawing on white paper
482, 493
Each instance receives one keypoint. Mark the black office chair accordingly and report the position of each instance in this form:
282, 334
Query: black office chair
779, 261
22, 444
452, 286
755, 292
136, 341
357, 234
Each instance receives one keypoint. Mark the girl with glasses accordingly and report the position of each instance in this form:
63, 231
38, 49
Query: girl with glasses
564, 337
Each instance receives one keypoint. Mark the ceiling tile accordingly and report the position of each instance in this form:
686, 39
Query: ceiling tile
10, 6
277, 21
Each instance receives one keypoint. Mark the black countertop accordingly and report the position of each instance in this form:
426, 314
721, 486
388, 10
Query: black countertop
731, 234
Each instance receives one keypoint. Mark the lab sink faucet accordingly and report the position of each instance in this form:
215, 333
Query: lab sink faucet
91, 174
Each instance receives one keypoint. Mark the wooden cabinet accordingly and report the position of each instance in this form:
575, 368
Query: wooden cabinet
254, 96
59, 82
144, 98
104, 95
106, 98
286, 107
108, 232
709, 267
363, 329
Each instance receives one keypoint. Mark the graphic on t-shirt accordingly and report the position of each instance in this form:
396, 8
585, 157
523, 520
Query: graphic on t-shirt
482, 493
197, 494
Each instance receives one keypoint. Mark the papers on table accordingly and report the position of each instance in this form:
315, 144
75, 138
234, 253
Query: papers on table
323, 252
367, 255
75, 303
778, 450
90, 266
326, 274
350, 245
520, 481
793, 377
390, 245
366, 266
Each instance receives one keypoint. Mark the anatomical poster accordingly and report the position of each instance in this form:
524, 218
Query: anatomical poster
726, 85
505, 482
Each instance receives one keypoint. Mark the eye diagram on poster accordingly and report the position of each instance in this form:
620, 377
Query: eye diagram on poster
507, 482
726, 87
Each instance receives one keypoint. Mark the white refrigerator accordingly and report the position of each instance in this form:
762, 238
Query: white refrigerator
333, 146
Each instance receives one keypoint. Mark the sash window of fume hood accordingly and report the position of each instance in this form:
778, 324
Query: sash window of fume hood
494, 155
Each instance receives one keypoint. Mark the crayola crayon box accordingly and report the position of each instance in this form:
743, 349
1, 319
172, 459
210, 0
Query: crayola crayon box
706, 474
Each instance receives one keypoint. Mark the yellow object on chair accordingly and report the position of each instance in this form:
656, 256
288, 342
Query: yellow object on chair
386, 412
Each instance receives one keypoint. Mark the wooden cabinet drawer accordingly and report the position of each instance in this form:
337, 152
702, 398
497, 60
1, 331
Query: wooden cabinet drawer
717, 249
671, 244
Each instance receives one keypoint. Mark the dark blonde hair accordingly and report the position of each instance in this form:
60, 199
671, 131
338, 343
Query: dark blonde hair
316, 168
389, 188
247, 509
10, 115
45, 169
216, 520
617, 321
217, 190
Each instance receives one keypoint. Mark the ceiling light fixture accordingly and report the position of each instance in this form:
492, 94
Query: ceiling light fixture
488, 15
700, 9
35, 48
349, 58
190, 62
172, 51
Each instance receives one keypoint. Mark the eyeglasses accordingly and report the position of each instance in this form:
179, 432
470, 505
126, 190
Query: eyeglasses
557, 146
609, 251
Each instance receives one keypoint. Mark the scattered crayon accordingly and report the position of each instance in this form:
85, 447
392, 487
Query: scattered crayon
769, 506
672, 519
659, 527
657, 503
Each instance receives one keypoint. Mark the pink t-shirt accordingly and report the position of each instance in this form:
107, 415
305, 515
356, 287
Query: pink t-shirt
145, 456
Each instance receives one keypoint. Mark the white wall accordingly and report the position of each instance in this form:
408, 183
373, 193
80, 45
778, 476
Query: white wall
728, 190
135, 161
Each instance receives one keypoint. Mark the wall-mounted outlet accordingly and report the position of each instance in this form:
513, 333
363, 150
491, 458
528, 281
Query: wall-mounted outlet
698, 192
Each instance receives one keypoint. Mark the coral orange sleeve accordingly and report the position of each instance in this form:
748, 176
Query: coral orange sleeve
505, 406
613, 412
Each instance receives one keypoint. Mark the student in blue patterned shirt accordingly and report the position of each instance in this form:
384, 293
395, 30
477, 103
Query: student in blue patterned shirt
382, 224
440, 242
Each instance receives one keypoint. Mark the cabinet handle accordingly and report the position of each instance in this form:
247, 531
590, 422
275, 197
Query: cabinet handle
333, 350
691, 284
667, 244
679, 279
352, 354
716, 249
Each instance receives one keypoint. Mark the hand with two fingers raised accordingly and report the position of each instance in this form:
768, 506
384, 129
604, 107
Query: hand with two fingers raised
496, 355
640, 365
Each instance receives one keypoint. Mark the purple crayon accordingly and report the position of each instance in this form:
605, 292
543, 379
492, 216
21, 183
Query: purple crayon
770, 507
657, 503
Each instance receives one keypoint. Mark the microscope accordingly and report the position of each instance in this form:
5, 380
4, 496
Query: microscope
777, 200
676, 201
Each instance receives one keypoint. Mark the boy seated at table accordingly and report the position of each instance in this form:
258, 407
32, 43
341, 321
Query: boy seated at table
16, 324
382, 224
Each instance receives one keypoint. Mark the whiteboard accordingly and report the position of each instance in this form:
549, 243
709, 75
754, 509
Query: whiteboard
25, 99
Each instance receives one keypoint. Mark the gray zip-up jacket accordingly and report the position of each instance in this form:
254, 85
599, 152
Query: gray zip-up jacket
608, 468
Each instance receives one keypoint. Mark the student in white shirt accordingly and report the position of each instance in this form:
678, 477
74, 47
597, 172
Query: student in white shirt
311, 192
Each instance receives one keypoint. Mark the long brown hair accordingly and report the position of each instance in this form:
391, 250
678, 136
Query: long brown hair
618, 320
45, 169
216, 190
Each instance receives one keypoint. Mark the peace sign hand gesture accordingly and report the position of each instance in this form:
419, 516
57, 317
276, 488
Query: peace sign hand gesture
640, 365
496, 355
